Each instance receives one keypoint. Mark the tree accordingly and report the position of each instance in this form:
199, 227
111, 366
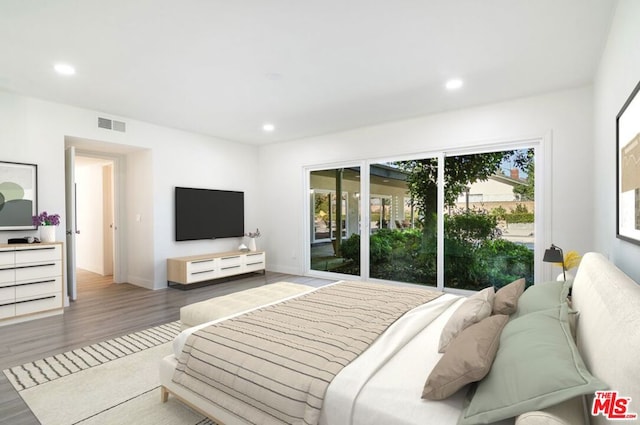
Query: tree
460, 171
527, 164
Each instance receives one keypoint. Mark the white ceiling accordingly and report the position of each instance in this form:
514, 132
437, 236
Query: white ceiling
224, 68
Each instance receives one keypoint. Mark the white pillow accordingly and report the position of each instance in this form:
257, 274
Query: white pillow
477, 307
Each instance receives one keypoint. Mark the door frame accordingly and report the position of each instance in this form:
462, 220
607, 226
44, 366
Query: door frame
118, 161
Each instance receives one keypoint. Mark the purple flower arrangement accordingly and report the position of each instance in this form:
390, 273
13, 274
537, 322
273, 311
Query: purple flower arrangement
45, 219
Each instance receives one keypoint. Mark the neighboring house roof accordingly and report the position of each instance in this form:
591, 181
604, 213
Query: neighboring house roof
508, 180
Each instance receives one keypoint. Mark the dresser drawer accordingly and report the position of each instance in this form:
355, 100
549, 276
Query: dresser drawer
254, 267
38, 304
200, 276
38, 254
38, 271
230, 269
258, 257
39, 287
198, 266
231, 261
7, 293
7, 258
7, 275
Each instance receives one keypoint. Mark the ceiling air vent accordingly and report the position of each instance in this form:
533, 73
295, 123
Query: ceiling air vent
119, 126
108, 124
104, 123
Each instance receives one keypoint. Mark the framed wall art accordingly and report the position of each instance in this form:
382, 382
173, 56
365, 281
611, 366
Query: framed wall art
18, 195
628, 169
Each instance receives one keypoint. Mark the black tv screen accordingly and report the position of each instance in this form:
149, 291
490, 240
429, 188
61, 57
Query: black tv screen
208, 214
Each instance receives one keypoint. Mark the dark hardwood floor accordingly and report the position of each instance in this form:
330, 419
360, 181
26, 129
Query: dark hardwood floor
104, 310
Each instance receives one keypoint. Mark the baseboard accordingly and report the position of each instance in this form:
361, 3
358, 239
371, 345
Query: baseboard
140, 281
275, 268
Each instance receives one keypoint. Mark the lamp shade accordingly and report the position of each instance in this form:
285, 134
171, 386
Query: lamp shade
553, 255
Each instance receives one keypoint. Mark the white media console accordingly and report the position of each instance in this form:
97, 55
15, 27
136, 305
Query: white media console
200, 268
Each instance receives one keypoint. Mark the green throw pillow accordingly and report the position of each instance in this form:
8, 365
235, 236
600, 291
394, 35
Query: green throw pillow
542, 296
537, 366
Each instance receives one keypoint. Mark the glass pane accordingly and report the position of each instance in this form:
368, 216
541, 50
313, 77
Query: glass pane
331, 218
402, 243
489, 220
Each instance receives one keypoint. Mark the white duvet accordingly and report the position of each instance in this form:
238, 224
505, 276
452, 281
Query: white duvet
384, 385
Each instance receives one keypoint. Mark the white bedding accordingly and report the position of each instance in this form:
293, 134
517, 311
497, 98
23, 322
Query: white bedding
181, 339
382, 386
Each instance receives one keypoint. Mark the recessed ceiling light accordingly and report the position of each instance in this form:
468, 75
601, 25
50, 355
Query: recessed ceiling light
454, 84
268, 127
64, 69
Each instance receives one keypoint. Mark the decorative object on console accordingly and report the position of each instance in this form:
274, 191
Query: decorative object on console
47, 224
18, 195
252, 239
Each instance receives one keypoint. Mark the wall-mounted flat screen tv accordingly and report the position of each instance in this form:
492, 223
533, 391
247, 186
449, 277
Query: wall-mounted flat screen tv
208, 213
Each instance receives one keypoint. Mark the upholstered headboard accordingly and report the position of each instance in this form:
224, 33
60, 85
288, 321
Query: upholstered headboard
608, 331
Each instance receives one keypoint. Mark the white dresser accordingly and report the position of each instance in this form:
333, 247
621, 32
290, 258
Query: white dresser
199, 268
31, 281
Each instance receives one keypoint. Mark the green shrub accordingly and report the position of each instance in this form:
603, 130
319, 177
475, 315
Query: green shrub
499, 213
470, 226
504, 261
475, 256
350, 248
520, 218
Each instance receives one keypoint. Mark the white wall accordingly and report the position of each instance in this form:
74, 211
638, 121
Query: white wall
34, 131
618, 74
566, 115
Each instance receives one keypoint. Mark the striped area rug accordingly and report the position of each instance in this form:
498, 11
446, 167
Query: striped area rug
113, 382
51, 368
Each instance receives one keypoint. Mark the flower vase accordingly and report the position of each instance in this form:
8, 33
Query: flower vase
252, 244
47, 233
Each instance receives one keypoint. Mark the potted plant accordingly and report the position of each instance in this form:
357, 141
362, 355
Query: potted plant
252, 239
47, 224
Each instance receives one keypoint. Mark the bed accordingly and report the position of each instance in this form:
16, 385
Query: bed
386, 382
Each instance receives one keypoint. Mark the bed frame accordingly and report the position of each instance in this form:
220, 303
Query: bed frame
608, 336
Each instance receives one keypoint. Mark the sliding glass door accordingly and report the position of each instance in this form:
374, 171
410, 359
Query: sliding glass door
462, 221
334, 196
402, 238
489, 220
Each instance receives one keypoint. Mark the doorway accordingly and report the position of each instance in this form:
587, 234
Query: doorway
94, 179
101, 180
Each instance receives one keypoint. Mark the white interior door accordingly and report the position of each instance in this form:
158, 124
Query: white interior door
70, 195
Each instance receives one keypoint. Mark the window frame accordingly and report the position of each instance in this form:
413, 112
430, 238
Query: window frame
543, 196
